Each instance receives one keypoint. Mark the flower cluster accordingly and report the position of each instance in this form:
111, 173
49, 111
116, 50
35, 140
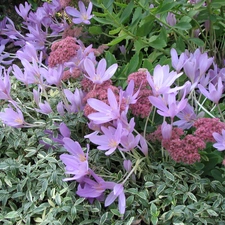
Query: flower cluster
115, 115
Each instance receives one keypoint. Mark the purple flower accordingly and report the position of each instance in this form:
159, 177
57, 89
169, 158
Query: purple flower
187, 117
143, 145
129, 142
31, 73
64, 130
44, 108
12, 118
171, 19
76, 163
214, 94
75, 99
166, 130
93, 188
54, 75
5, 85
109, 140
27, 52
220, 144
100, 74
177, 63
128, 93
82, 16
196, 66
162, 79
105, 112
23, 10
4, 56
168, 106
118, 192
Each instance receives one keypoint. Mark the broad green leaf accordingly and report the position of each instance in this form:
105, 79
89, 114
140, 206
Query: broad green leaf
127, 12
212, 212
168, 174
192, 196
95, 30
166, 6
12, 215
153, 209
159, 189
103, 219
183, 26
197, 41
133, 64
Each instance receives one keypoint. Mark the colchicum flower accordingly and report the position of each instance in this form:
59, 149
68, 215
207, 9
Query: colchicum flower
99, 75
220, 144
12, 118
76, 163
82, 16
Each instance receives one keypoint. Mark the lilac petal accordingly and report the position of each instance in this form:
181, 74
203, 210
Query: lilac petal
82, 7
98, 105
110, 199
122, 203
111, 70
217, 137
112, 99
72, 11
89, 67
219, 146
73, 147
99, 118
64, 130
101, 67
89, 9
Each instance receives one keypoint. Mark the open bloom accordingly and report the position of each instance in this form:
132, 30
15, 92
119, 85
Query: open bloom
76, 163
93, 188
100, 74
214, 94
162, 79
109, 140
168, 106
220, 144
105, 112
82, 16
12, 118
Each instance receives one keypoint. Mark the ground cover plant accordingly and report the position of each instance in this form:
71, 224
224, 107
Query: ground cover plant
112, 112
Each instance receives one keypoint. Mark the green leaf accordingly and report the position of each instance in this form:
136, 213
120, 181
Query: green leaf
168, 174
12, 215
79, 201
149, 184
104, 217
166, 7
130, 221
192, 196
127, 12
159, 189
133, 64
153, 209
183, 26
115, 31
117, 40
160, 41
95, 30
154, 220
197, 41
211, 212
